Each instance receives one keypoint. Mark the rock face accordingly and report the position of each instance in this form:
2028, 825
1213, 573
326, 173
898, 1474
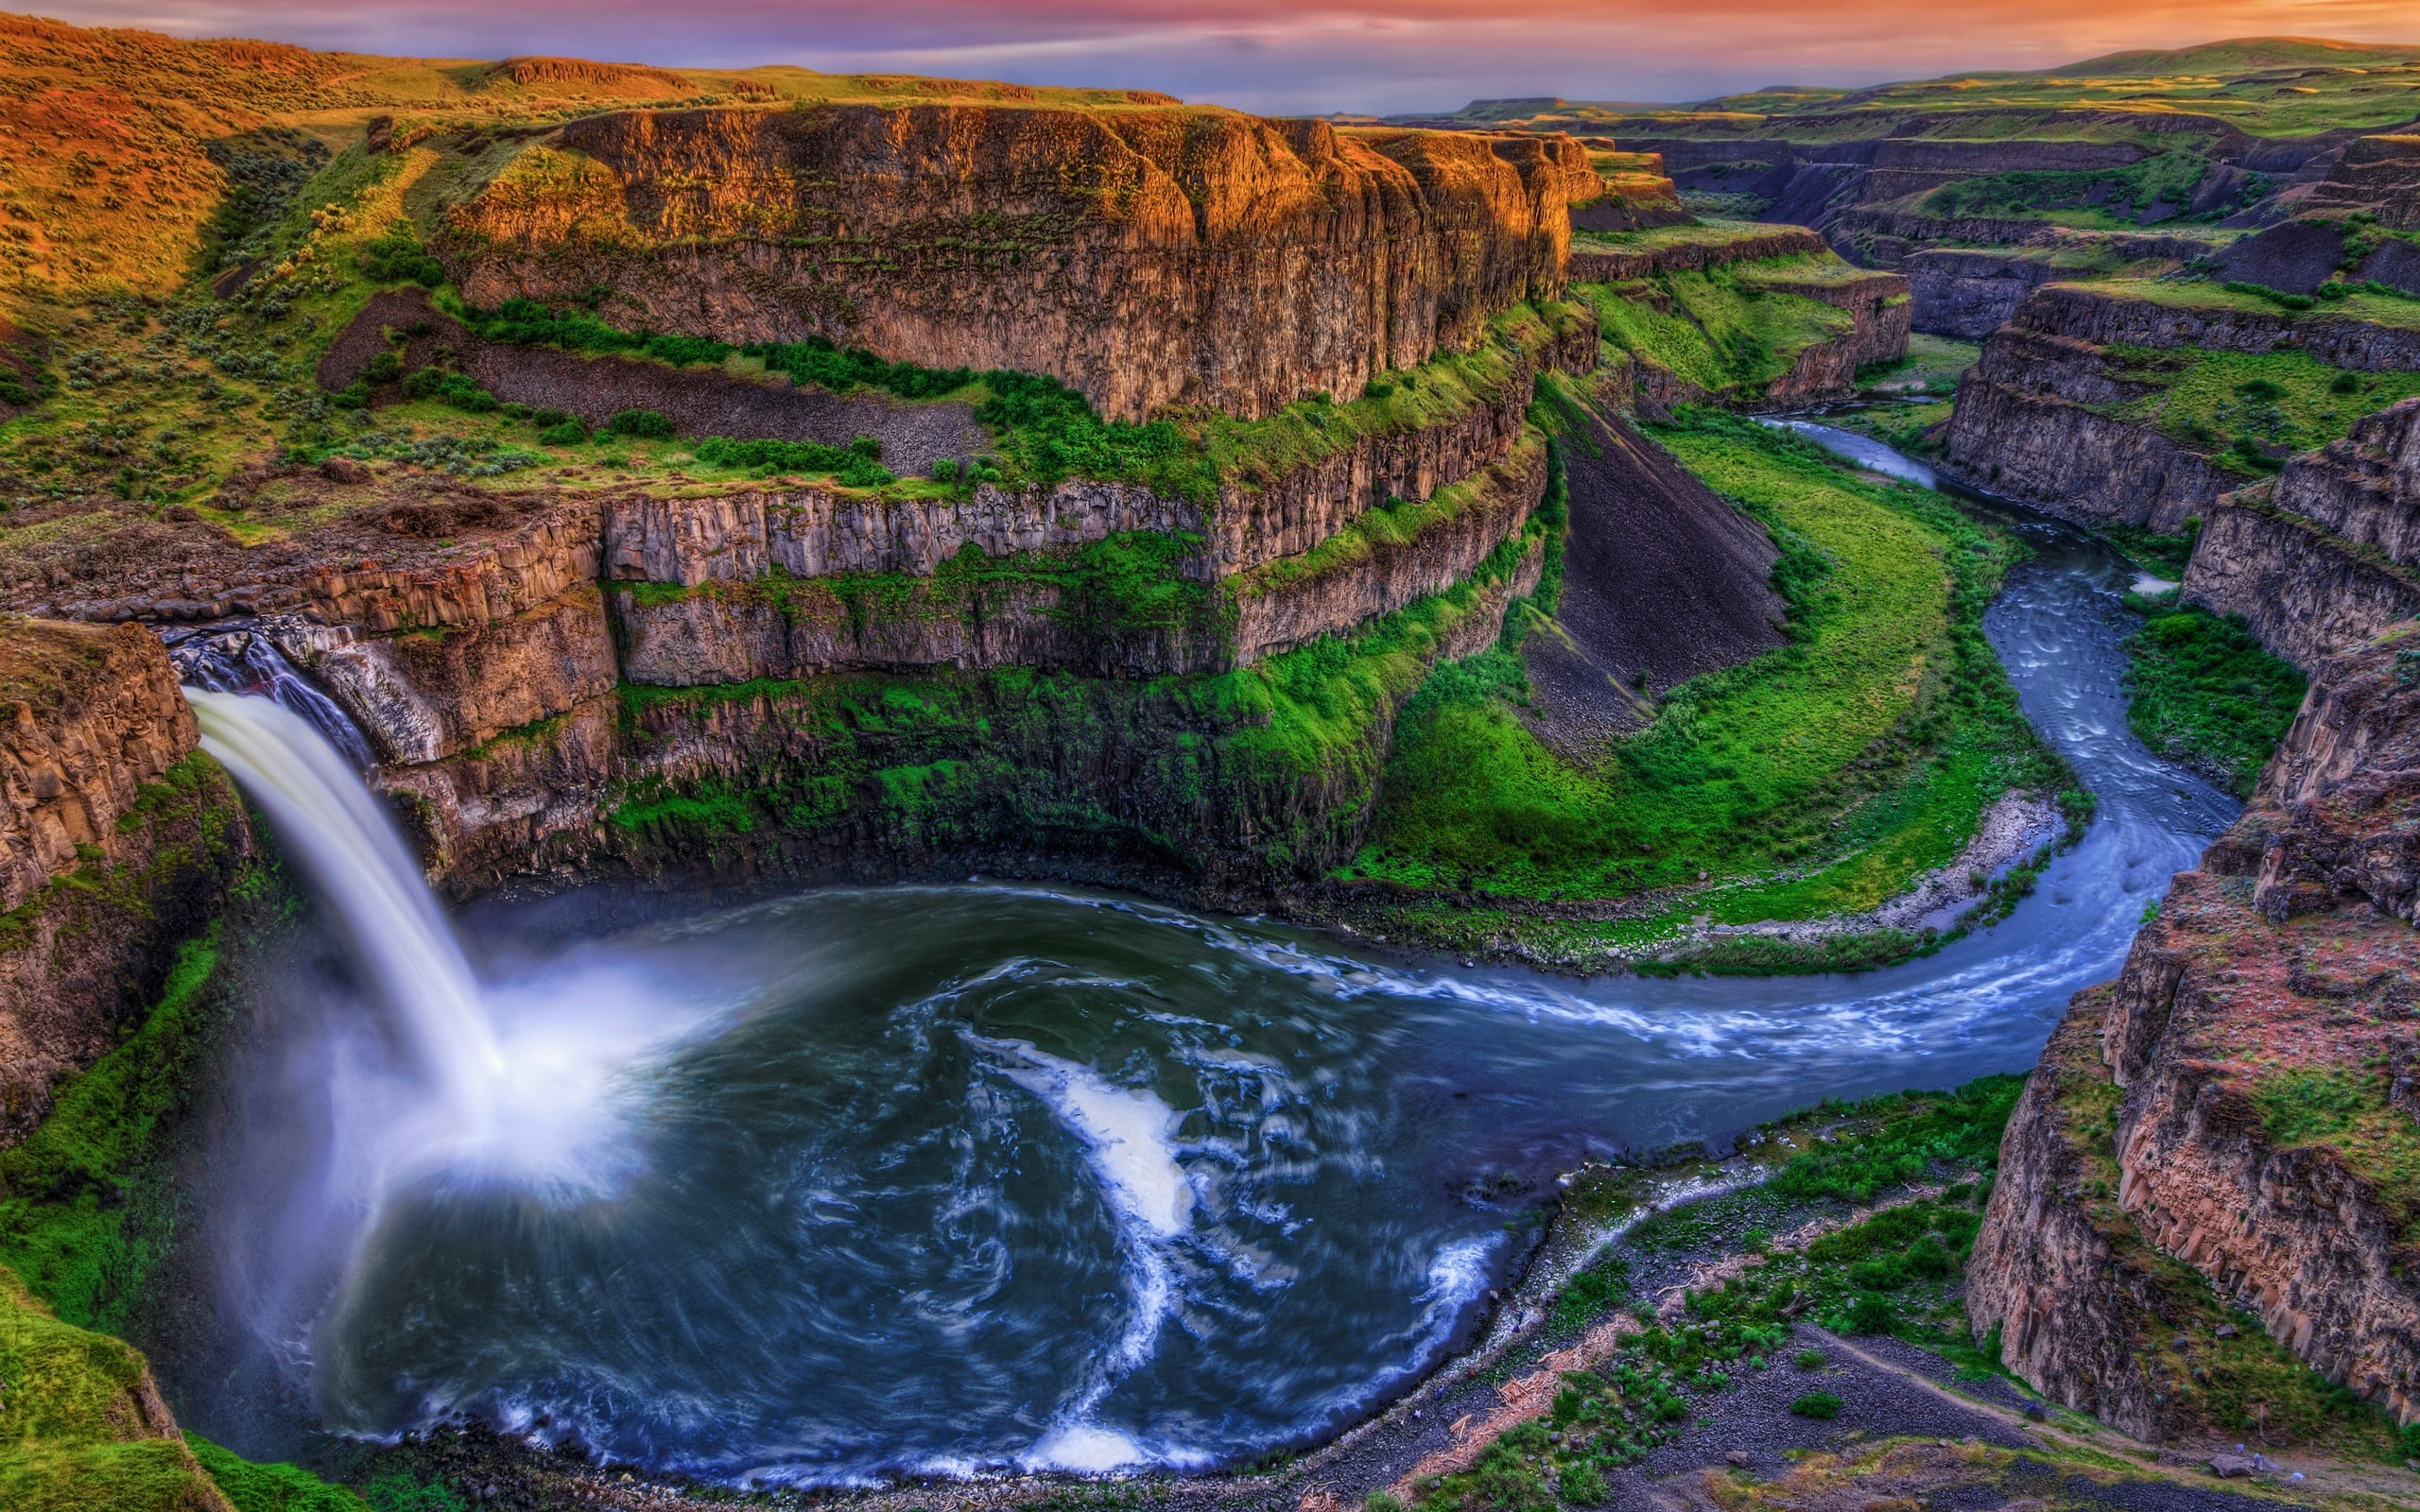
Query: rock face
2380, 174
698, 401
1597, 265
115, 842
1969, 294
2030, 422
2253, 1082
2330, 554
2036, 416
1147, 257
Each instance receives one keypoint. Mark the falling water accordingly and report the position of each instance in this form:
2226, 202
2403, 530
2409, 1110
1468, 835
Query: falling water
249, 661
342, 836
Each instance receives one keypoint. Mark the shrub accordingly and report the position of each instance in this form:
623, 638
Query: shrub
643, 424
549, 417
1817, 1404
399, 258
564, 432
1808, 1359
945, 470
851, 464
382, 368
1581, 1485
1871, 1314
421, 381
2261, 388
460, 392
2346, 383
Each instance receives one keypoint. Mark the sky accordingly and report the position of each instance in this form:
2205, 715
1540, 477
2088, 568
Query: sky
1289, 56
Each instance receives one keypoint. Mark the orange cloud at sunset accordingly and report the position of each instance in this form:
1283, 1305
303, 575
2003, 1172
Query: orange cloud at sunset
1300, 55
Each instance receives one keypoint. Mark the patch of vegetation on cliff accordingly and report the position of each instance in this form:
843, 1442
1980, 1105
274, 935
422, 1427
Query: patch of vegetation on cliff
2203, 693
2232, 1383
2352, 1112
2249, 410
1265, 768
2107, 197
1723, 330
87, 1212
2203, 294
75, 1436
1820, 778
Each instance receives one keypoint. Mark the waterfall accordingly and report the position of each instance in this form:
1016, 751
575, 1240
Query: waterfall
341, 835
249, 661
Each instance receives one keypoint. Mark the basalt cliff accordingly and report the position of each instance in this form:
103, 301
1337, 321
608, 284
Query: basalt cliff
1148, 257
2220, 1140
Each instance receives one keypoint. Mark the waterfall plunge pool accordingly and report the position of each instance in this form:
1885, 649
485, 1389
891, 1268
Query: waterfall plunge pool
867, 1182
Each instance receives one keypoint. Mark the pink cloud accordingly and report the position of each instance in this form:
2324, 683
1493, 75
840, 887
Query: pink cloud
1293, 55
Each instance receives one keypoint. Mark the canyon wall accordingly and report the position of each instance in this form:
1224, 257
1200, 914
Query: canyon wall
117, 842
1968, 295
1146, 256
2326, 556
2225, 1125
2041, 417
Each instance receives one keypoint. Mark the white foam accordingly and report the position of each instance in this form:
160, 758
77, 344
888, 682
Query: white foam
1127, 1136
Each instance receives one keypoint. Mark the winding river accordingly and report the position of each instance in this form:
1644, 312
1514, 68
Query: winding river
917, 1180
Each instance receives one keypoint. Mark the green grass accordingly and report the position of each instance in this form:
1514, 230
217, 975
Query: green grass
2109, 197
2203, 294
2203, 693
2349, 1111
66, 1428
1827, 773
1896, 1271
2249, 410
1718, 329
1932, 366
1900, 426
278, 1487
1909, 1134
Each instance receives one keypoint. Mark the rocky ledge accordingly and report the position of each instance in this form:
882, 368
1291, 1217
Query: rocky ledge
2044, 416
2330, 554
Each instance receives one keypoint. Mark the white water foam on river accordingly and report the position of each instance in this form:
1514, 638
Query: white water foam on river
1128, 1137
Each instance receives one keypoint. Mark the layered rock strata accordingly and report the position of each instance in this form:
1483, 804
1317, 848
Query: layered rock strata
2036, 417
115, 843
1601, 264
1147, 257
1968, 295
2240, 1102
2328, 555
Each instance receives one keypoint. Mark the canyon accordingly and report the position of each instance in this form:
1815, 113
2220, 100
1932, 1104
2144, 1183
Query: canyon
943, 501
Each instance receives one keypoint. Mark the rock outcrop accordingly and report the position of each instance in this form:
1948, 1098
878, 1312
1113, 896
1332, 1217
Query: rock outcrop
1968, 295
117, 842
2249, 1108
2039, 416
1148, 257
2330, 554
1605, 263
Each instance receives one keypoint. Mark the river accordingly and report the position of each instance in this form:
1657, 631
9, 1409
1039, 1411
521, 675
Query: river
917, 1180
